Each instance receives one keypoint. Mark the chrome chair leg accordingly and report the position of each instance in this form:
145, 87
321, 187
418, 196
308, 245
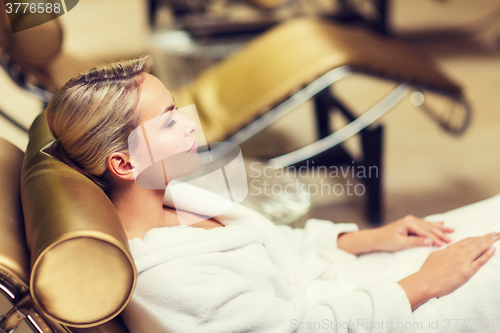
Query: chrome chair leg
345, 132
22, 309
10, 321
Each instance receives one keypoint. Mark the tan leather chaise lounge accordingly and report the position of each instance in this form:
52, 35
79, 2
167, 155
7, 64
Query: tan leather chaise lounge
64, 259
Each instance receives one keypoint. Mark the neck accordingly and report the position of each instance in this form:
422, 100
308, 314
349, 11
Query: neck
139, 209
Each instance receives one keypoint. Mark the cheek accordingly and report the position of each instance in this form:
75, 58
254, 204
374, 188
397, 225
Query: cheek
167, 144
176, 141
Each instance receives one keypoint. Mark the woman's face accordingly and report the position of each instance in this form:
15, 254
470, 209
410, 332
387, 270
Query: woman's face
167, 135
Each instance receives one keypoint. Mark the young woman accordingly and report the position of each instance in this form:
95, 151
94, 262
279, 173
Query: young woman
239, 272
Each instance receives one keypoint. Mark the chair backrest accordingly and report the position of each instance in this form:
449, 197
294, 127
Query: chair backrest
82, 273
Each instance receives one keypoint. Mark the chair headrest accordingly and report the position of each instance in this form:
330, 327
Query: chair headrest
82, 271
34, 47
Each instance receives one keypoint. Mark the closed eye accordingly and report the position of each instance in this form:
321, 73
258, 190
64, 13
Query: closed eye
172, 123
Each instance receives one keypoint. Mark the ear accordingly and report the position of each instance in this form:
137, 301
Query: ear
120, 166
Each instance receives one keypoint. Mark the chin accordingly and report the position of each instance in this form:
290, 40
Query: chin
177, 166
193, 164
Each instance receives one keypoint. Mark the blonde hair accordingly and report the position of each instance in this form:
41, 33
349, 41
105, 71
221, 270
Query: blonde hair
93, 114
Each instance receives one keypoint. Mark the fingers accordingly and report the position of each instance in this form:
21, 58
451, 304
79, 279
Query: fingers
482, 259
436, 231
414, 241
441, 234
478, 245
424, 230
440, 230
478, 251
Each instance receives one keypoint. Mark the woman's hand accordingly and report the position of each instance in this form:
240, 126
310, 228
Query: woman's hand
407, 232
411, 231
448, 269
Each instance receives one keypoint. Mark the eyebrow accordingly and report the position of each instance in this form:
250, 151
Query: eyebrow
171, 107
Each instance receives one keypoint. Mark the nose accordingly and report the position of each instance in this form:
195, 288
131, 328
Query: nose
189, 127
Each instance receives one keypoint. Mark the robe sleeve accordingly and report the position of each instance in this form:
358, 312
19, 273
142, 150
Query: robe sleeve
316, 235
207, 299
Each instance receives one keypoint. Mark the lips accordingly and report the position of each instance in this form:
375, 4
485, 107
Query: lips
193, 148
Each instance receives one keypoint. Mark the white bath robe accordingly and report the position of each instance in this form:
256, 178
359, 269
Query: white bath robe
252, 276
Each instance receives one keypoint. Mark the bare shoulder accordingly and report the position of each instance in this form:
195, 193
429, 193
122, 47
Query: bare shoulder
172, 217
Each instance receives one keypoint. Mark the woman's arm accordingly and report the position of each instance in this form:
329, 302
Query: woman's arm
407, 232
359, 242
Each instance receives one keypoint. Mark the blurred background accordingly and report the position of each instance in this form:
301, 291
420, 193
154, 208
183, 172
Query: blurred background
425, 169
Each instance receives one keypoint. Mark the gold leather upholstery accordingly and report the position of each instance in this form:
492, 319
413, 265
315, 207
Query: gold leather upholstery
14, 262
234, 92
82, 272
14, 254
